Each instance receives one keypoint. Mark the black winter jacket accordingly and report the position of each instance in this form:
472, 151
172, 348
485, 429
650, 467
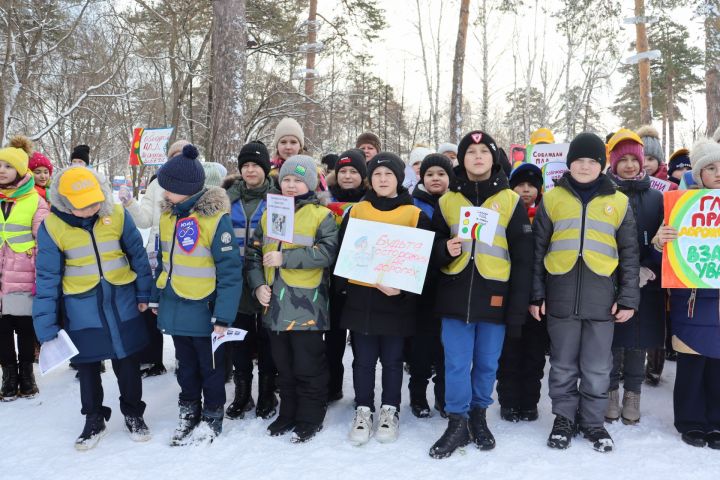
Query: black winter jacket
468, 296
581, 292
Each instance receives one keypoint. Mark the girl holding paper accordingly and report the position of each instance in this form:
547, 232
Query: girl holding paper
380, 317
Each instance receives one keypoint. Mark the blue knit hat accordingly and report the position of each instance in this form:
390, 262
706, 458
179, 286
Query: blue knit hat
183, 174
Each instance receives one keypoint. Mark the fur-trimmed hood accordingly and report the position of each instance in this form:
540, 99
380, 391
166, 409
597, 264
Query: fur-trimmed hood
207, 202
61, 202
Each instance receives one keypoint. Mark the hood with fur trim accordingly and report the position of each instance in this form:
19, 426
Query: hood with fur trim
211, 201
63, 204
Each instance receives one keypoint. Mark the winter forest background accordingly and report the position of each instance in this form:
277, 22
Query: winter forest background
223, 72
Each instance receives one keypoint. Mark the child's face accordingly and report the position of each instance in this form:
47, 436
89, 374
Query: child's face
348, 178
288, 146
585, 170
478, 162
628, 167
710, 175
42, 176
76, 162
86, 212
369, 151
451, 155
416, 169
252, 174
384, 182
436, 180
528, 193
292, 186
651, 165
175, 198
7, 173
679, 172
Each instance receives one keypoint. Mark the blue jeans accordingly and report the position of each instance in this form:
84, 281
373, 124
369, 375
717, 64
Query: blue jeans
472, 351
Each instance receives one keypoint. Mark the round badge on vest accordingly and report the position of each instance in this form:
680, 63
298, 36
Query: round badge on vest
609, 209
188, 233
107, 220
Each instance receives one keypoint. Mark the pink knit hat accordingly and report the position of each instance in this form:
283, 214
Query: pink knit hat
626, 147
39, 160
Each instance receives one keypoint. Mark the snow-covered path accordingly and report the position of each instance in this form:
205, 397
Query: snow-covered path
37, 443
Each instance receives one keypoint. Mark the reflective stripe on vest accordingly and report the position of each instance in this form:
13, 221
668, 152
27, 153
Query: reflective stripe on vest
16, 230
603, 216
191, 274
491, 261
404, 215
239, 221
82, 270
306, 224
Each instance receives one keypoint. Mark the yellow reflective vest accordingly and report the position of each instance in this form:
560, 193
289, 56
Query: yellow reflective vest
491, 261
17, 228
587, 233
187, 259
306, 223
91, 256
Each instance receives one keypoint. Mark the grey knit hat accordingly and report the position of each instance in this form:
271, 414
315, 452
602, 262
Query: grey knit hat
651, 142
303, 167
704, 152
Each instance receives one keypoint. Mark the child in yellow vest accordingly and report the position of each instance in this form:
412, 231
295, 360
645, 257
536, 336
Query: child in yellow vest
94, 264
291, 282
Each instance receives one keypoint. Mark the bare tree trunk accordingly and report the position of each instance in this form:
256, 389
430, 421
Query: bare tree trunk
643, 65
456, 99
428, 79
670, 113
309, 123
228, 81
485, 76
712, 64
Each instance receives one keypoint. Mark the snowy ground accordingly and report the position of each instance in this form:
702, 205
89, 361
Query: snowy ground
38, 434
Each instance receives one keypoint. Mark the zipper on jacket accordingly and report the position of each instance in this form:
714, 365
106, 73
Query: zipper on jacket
170, 255
472, 263
97, 254
578, 284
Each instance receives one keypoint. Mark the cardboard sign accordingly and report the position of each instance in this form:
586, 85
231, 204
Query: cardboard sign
280, 217
660, 185
378, 253
693, 260
552, 171
546, 153
149, 146
478, 223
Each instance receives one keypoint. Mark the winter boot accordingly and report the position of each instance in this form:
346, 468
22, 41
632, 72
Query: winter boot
562, 433
305, 431
440, 407
28, 387
479, 431
654, 368
419, 406
630, 408
510, 414
457, 435
529, 414
613, 409
137, 428
361, 429
694, 438
713, 439
210, 426
189, 417
243, 401
9, 389
267, 401
94, 429
388, 425
281, 426
600, 438
154, 370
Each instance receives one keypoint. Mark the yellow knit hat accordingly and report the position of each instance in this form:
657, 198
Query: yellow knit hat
542, 135
80, 186
17, 154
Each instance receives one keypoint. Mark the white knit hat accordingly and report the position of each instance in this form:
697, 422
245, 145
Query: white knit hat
447, 147
288, 126
418, 154
704, 152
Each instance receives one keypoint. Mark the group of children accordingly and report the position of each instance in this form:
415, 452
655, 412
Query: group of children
575, 270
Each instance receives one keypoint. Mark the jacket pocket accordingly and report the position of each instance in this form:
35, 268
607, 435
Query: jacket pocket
81, 311
126, 302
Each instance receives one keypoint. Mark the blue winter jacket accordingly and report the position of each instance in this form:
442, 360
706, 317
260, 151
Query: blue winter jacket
195, 318
103, 323
701, 331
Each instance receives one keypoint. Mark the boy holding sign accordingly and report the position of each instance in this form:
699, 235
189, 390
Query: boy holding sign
483, 287
586, 278
199, 280
290, 280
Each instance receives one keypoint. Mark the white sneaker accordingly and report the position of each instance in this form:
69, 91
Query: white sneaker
361, 427
389, 425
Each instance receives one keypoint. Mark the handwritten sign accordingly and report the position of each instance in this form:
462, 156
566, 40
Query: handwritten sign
384, 254
280, 217
149, 146
478, 223
693, 260
552, 171
547, 152
660, 185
